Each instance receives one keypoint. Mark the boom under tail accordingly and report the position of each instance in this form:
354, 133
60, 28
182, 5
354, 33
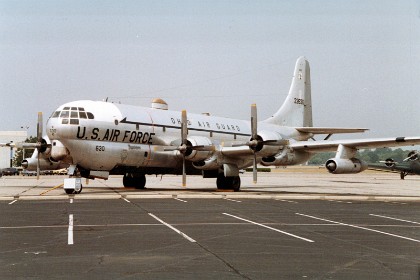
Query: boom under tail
296, 110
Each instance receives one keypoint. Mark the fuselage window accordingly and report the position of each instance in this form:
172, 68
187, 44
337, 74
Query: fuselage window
66, 108
74, 114
65, 121
74, 108
83, 115
90, 116
81, 109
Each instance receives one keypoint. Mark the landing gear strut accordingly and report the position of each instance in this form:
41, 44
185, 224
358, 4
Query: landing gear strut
132, 180
228, 183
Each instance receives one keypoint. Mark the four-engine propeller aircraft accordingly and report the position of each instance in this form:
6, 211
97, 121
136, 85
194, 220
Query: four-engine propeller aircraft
409, 166
97, 139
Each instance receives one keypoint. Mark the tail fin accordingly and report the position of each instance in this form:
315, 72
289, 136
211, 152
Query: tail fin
296, 110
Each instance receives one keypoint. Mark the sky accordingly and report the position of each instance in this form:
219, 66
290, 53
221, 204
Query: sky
214, 56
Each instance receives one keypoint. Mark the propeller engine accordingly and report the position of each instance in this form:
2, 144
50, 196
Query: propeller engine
191, 148
259, 145
41, 145
413, 155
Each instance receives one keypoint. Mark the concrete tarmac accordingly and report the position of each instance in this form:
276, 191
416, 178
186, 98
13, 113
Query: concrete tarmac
291, 225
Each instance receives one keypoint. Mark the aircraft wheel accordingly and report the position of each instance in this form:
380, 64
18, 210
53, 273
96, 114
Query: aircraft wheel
81, 188
228, 183
236, 183
69, 191
221, 181
402, 175
140, 181
134, 181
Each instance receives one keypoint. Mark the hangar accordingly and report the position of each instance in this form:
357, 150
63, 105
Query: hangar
6, 153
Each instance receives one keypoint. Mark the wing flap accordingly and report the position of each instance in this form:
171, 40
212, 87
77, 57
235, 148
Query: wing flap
330, 130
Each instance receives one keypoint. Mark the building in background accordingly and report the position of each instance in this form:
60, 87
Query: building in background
6, 153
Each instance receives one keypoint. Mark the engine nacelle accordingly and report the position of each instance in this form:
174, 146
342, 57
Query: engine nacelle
196, 155
44, 164
208, 164
266, 149
58, 151
345, 166
390, 162
286, 157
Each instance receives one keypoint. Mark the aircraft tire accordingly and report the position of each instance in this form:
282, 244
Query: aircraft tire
133, 181
69, 191
228, 183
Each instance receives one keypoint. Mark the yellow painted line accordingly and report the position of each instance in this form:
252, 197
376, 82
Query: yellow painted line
56, 187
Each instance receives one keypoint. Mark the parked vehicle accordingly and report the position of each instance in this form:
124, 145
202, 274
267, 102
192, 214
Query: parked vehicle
28, 173
10, 171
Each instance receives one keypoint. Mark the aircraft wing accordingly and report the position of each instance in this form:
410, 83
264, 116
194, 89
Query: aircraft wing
10, 144
329, 130
330, 146
398, 167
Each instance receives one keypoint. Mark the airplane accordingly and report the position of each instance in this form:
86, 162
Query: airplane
97, 139
409, 166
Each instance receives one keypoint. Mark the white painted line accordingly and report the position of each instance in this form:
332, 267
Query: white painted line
12, 202
359, 227
173, 228
261, 225
127, 200
232, 200
180, 200
386, 217
70, 233
71, 200
290, 201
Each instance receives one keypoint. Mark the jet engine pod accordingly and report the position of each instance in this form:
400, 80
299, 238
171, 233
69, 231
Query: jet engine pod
198, 148
345, 166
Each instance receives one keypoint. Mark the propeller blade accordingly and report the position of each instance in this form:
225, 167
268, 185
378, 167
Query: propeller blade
183, 148
254, 170
184, 127
254, 121
37, 167
184, 173
39, 127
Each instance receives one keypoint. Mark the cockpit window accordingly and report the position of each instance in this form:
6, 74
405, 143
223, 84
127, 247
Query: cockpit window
72, 115
64, 114
55, 114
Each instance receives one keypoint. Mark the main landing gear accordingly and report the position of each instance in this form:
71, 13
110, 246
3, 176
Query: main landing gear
228, 183
133, 180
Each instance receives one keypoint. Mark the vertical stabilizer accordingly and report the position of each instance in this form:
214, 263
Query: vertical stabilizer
296, 110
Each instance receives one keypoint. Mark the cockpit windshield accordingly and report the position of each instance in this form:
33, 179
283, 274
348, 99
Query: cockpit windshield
72, 115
